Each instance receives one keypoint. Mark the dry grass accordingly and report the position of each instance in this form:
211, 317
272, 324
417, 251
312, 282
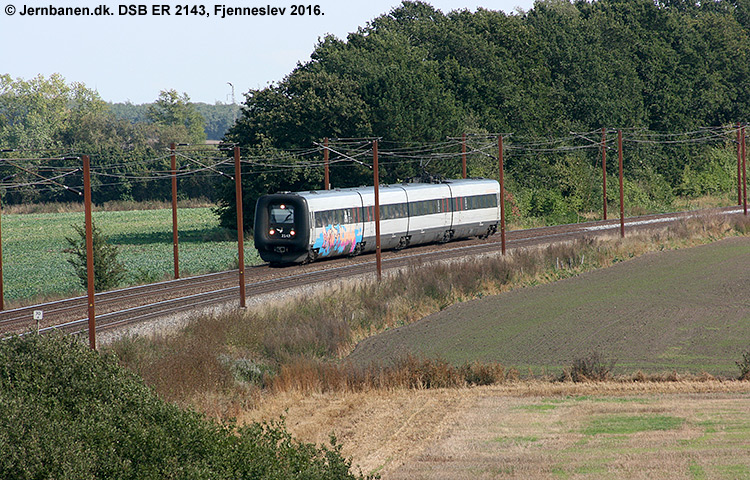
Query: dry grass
680, 204
530, 429
316, 376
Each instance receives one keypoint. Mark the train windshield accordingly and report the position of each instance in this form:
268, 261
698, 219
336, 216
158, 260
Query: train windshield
282, 214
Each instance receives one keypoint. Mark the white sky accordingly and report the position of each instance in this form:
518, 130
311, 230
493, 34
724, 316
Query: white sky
135, 57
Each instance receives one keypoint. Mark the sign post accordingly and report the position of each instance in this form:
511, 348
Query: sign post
38, 316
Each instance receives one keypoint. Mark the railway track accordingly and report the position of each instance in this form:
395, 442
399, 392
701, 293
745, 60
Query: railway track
120, 308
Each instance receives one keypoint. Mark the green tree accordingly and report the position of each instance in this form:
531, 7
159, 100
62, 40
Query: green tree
33, 112
174, 110
218, 117
416, 75
108, 271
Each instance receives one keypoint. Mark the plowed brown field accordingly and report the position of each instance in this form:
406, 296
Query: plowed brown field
687, 310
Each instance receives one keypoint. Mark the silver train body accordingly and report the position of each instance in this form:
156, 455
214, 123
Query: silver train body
304, 226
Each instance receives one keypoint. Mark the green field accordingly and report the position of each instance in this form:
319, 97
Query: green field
684, 310
35, 266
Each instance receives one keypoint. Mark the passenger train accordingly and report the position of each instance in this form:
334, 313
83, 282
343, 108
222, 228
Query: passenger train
300, 227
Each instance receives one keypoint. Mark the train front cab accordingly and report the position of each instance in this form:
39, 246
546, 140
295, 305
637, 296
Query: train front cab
282, 228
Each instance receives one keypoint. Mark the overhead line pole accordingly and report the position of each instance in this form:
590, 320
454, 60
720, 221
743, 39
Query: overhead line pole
326, 179
89, 250
744, 172
604, 170
376, 182
622, 192
240, 225
2, 295
739, 164
502, 192
175, 247
463, 153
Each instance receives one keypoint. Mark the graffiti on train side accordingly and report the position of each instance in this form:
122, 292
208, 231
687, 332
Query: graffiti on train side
337, 239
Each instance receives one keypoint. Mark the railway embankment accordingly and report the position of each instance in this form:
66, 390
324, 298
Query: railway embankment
227, 363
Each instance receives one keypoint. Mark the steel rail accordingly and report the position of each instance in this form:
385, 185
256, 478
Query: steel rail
106, 301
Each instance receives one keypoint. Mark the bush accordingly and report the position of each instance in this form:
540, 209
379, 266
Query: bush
716, 174
483, 373
593, 367
580, 183
744, 366
67, 412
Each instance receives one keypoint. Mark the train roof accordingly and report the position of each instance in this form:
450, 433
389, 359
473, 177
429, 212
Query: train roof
343, 192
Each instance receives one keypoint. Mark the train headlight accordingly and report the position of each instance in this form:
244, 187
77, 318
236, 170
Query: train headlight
272, 232
292, 233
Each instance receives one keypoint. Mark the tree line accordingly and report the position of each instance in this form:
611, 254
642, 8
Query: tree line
215, 119
418, 75
56, 121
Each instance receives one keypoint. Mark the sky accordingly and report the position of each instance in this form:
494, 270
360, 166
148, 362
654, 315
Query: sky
134, 57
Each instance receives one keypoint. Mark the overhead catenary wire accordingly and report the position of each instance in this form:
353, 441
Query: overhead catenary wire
208, 167
45, 181
346, 153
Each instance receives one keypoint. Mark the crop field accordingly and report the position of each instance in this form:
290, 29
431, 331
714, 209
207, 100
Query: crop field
35, 265
684, 310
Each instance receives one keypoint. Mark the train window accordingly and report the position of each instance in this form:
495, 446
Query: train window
282, 214
480, 201
417, 209
323, 218
393, 211
430, 207
457, 204
385, 212
340, 216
